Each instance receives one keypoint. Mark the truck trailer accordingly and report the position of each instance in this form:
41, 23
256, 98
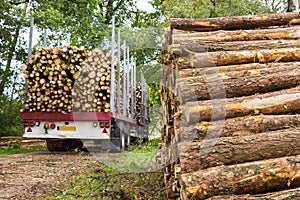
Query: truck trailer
72, 96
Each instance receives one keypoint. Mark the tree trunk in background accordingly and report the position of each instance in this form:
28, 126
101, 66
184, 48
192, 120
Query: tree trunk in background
293, 6
7, 72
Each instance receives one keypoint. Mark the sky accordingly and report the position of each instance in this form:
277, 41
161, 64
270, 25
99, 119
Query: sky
145, 5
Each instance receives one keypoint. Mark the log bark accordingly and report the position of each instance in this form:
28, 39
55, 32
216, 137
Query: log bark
254, 177
234, 22
239, 149
247, 125
280, 102
242, 57
185, 46
248, 83
290, 33
237, 126
284, 194
233, 70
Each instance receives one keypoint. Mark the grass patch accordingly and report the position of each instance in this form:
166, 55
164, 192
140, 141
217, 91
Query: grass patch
113, 182
9, 151
106, 183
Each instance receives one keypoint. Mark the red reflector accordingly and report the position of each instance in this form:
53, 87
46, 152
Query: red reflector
52, 126
104, 131
29, 130
29, 123
46, 126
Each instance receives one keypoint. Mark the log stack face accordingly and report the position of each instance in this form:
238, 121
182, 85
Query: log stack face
68, 80
230, 93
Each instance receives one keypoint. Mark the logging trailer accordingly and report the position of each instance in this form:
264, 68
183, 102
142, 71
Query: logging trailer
111, 128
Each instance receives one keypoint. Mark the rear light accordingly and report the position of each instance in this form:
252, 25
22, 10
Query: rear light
46, 125
29, 123
52, 126
37, 123
132, 127
104, 124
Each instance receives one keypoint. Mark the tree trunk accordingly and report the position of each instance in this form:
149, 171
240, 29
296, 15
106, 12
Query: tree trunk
290, 33
233, 23
242, 57
239, 149
279, 102
247, 125
293, 6
254, 177
284, 194
230, 70
184, 47
248, 83
7, 72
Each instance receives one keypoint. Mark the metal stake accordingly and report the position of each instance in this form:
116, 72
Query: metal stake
112, 78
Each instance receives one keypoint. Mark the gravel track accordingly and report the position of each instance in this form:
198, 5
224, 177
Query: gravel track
33, 175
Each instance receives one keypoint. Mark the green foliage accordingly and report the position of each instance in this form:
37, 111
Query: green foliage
10, 120
216, 8
154, 93
79, 22
150, 146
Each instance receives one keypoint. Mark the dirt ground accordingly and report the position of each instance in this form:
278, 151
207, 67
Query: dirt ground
32, 175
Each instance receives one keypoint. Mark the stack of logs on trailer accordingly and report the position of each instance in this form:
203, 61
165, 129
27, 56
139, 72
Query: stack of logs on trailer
230, 99
69, 80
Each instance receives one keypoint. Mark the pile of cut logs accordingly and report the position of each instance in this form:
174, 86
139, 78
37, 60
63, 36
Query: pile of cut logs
91, 92
67, 80
230, 100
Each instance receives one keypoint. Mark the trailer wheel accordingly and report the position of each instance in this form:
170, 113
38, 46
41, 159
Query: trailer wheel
54, 145
63, 145
71, 145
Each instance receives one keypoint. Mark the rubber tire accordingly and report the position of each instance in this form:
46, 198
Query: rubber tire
63, 145
71, 145
55, 145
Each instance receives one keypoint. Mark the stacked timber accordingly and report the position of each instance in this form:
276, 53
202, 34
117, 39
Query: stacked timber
50, 75
91, 92
230, 93
67, 80
139, 103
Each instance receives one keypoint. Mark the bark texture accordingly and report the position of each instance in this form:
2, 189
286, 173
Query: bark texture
239, 149
185, 46
249, 82
254, 177
290, 33
242, 57
290, 194
233, 23
279, 102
